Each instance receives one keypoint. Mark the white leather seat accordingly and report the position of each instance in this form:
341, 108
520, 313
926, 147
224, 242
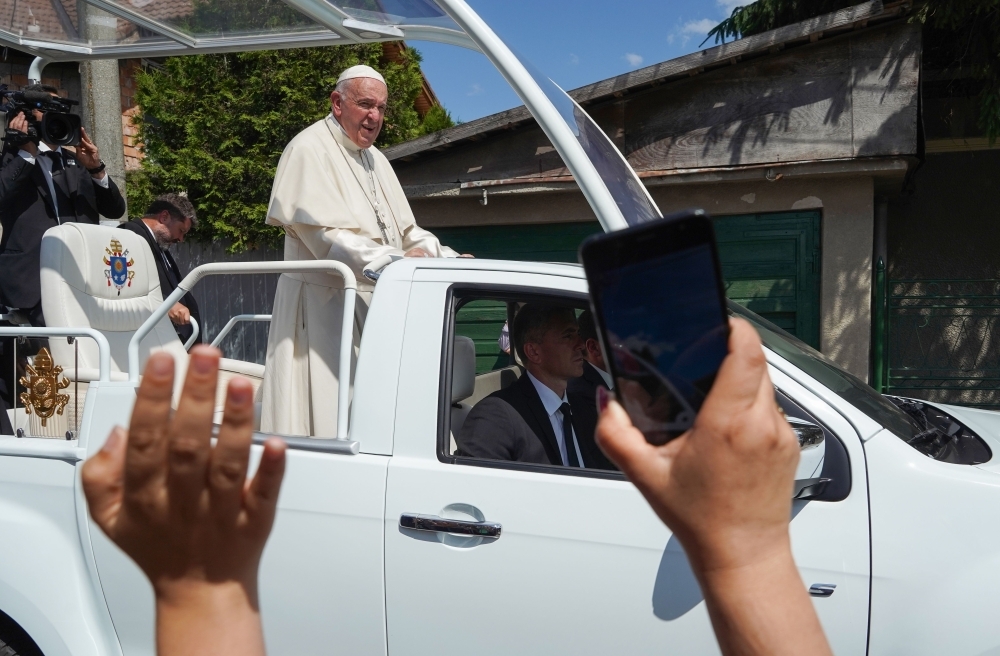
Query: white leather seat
463, 383
79, 290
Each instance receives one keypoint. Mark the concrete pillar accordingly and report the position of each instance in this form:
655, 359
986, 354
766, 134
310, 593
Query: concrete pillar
101, 96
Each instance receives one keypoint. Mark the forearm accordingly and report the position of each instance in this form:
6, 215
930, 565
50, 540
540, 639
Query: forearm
344, 246
210, 619
417, 237
110, 202
763, 609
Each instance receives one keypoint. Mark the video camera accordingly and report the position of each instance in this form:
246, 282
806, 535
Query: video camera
57, 127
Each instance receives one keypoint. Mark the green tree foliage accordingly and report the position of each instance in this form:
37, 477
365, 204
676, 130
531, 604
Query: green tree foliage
959, 35
215, 125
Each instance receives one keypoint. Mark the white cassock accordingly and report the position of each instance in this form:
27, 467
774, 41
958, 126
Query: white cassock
336, 201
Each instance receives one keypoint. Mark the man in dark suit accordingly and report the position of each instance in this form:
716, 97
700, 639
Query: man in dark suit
595, 371
169, 218
42, 185
535, 419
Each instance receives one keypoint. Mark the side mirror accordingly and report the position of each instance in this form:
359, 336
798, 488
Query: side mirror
812, 452
810, 435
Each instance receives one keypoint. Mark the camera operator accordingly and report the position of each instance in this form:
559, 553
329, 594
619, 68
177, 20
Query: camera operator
43, 185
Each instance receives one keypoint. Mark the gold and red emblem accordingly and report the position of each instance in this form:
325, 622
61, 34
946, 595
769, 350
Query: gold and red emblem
118, 262
43, 384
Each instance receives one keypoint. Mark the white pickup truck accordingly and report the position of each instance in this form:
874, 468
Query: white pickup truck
386, 542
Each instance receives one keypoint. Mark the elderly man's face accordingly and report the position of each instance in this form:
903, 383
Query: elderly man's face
360, 110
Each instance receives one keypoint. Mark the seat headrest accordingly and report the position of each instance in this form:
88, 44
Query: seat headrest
463, 369
100, 261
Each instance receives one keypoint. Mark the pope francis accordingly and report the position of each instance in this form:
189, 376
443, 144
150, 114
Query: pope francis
337, 198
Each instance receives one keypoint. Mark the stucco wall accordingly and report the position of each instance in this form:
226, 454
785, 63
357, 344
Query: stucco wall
847, 224
846, 204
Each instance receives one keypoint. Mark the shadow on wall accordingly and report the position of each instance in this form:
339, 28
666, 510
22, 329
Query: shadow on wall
850, 308
847, 98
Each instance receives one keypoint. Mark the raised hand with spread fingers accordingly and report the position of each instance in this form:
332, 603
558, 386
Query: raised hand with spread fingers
183, 509
725, 489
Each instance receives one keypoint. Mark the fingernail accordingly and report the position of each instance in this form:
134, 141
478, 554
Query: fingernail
239, 395
114, 438
161, 365
274, 448
602, 399
201, 363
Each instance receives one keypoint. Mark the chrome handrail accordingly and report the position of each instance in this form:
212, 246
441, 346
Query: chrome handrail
103, 348
232, 322
217, 268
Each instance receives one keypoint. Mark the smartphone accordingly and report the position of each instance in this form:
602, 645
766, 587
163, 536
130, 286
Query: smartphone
660, 308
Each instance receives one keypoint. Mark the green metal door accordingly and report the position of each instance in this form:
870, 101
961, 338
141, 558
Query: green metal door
770, 263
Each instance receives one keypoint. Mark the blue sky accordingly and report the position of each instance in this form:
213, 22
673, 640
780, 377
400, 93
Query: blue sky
574, 43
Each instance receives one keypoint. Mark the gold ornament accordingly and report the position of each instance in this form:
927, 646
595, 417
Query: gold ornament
43, 385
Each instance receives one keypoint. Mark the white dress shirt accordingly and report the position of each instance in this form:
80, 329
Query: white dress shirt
46, 165
605, 375
552, 405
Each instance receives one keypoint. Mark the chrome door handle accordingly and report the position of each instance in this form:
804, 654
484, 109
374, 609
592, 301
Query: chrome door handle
435, 524
822, 589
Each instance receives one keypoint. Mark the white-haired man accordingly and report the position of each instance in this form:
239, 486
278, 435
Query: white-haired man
337, 198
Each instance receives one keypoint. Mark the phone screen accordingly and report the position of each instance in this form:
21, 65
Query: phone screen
666, 333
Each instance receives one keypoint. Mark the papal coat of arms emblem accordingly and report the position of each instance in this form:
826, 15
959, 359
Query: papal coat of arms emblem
118, 263
43, 383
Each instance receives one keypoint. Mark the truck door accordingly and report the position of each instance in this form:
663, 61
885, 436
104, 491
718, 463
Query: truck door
581, 564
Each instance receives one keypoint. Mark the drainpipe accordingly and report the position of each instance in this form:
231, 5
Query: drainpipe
880, 319
35, 70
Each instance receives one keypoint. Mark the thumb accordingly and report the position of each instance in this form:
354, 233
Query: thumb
622, 442
103, 477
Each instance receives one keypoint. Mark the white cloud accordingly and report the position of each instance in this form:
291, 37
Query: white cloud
727, 6
573, 59
698, 27
633, 59
476, 90
670, 39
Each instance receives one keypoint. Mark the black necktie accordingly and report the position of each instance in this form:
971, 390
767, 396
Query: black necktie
56, 157
567, 414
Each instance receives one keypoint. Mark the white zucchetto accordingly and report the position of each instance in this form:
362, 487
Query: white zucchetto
361, 71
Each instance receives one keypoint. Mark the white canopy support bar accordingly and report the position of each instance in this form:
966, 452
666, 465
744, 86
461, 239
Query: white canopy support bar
548, 117
35, 70
328, 266
103, 348
232, 322
195, 331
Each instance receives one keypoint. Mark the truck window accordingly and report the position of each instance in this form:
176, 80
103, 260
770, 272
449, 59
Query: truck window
517, 388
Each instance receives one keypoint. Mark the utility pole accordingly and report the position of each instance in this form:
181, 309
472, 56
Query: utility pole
101, 91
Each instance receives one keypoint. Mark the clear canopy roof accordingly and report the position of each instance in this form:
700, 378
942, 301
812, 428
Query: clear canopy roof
94, 29
72, 30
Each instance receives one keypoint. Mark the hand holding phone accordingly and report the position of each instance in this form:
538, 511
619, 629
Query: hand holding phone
659, 304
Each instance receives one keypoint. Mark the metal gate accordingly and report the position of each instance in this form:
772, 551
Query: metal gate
941, 340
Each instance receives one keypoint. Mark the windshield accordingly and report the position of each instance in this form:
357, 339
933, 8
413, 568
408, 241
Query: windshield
634, 202
817, 365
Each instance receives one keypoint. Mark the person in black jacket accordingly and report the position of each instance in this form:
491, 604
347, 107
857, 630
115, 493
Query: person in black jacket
169, 218
595, 370
535, 419
41, 186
